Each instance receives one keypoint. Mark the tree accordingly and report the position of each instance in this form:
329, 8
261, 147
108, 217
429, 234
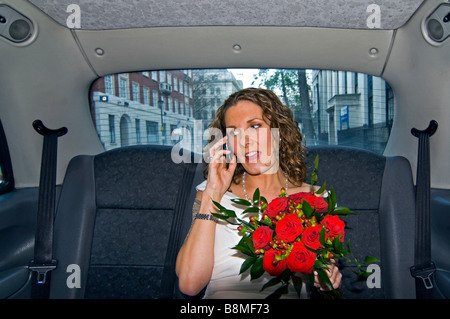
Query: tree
308, 128
292, 87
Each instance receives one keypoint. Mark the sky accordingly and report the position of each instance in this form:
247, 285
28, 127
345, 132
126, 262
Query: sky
245, 75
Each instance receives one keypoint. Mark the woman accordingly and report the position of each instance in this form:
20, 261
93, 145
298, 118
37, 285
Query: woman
266, 151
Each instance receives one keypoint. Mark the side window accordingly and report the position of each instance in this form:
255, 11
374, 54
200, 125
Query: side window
2, 180
6, 174
332, 107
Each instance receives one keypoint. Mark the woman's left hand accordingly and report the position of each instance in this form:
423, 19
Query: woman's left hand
333, 274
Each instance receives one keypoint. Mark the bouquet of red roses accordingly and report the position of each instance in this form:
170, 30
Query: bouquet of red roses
298, 233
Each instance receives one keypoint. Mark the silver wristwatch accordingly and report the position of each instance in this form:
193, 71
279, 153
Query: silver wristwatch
206, 217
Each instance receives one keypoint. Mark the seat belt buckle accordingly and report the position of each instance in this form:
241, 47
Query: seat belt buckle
42, 270
424, 272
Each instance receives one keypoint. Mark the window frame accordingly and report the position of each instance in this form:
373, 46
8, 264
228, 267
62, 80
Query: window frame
7, 181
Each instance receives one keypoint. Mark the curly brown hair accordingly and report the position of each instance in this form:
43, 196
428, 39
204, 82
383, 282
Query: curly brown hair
291, 149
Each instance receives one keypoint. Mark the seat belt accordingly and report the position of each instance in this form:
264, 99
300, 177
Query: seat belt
175, 240
423, 269
43, 262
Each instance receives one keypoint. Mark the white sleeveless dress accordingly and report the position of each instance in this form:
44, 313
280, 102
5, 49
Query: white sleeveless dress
226, 282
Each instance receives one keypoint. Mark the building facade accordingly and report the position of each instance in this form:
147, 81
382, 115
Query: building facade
351, 109
143, 107
211, 88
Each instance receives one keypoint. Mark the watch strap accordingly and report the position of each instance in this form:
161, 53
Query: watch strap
206, 217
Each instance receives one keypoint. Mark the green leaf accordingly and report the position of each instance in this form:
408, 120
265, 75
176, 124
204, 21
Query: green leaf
252, 209
364, 274
316, 251
316, 162
331, 199
220, 207
247, 264
256, 197
348, 247
241, 201
271, 282
224, 218
322, 236
337, 245
341, 211
298, 286
307, 209
265, 223
323, 276
314, 172
220, 216
279, 292
262, 198
243, 246
257, 269
230, 213
370, 260
318, 264
249, 241
322, 189
285, 275
247, 224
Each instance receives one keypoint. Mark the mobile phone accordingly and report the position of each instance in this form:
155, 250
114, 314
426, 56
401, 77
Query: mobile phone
229, 156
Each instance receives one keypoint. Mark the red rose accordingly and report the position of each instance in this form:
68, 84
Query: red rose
310, 237
289, 228
334, 227
271, 265
262, 236
317, 202
275, 206
298, 197
301, 259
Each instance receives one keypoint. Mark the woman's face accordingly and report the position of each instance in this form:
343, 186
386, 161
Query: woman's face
251, 138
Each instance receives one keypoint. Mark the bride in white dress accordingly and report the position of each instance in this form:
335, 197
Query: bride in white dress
265, 146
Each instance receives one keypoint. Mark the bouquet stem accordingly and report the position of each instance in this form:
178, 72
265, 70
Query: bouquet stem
327, 295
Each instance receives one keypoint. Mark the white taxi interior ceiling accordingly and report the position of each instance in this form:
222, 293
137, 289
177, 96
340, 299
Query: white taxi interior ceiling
125, 36
119, 14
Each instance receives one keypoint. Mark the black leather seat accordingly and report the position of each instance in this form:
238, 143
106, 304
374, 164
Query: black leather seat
118, 219
119, 213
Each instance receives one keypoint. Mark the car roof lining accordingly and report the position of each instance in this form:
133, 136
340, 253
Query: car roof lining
119, 14
56, 49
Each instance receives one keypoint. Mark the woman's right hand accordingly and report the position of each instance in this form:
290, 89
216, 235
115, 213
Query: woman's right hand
219, 176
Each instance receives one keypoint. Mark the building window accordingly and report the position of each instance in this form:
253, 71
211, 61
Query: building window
109, 84
155, 98
123, 84
169, 100
370, 99
112, 129
152, 132
389, 103
145, 93
162, 76
136, 92
138, 131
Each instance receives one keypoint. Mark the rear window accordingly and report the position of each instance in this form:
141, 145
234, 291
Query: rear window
166, 106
